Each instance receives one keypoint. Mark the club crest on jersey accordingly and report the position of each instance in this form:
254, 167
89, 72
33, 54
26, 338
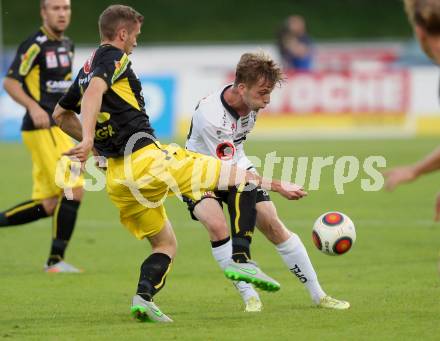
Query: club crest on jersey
120, 67
225, 151
27, 59
51, 60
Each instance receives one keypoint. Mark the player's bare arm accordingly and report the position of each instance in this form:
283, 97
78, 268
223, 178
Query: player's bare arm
402, 174
90, 108
14, 88
237, 176
288, 190
68, 122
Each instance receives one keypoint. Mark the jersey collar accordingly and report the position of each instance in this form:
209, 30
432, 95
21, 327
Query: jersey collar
49, 35
230, 109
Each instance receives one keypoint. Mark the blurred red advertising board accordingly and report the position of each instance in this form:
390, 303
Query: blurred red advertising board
376, 92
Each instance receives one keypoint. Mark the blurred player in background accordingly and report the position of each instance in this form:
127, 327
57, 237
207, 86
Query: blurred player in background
140, 171
219, 128
39, 75
424, 16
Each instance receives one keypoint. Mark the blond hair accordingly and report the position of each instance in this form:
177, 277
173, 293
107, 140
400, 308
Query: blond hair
424, 13
255, 66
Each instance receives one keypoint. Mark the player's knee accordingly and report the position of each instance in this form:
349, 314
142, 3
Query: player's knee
165, 242
173, 247
78, 193
169, 248
49, 205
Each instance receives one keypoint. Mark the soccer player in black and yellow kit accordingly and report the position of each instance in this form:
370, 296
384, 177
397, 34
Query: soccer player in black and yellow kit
140, 172
39, 75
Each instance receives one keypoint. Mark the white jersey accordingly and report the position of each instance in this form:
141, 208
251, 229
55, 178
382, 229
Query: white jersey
218, 130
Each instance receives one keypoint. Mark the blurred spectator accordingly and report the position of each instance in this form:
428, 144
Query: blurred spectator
295, 45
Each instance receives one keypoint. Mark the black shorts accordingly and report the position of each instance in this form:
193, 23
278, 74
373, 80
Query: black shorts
222, 197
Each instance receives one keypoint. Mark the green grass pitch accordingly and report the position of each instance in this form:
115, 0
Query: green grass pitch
391, 275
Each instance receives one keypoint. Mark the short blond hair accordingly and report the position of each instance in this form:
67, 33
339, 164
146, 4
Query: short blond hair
255, 66
424, 13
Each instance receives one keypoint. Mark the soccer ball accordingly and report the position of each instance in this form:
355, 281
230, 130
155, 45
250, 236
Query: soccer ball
333, 233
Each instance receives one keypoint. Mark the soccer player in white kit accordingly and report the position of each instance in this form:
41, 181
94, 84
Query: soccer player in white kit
219, 127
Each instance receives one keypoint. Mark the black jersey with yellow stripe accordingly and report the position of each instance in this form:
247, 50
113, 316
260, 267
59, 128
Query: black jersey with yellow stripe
43, 64
122, 111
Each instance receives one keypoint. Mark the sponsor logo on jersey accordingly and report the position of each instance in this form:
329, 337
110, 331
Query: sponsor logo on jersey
64, 60
85, 79
51, 60
104, 133
224, 120
58, 86
88, 64
41, 39
120, 67
27, 59
103, 117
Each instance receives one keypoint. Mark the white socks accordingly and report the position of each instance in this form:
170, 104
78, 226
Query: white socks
295, 256
222, 255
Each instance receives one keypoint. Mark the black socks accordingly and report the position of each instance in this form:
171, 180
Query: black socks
23, 213
243, 215
153, 274
64, 219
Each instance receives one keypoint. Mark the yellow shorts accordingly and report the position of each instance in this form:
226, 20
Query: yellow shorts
46, 147
139, 185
